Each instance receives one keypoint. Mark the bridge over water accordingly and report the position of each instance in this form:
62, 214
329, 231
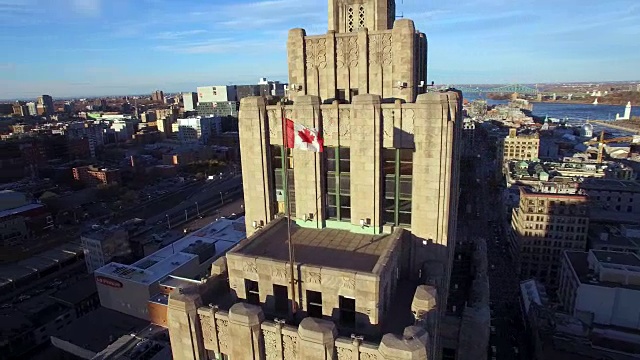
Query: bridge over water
507, 89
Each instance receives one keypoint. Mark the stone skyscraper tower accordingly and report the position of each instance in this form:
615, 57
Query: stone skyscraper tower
373, 216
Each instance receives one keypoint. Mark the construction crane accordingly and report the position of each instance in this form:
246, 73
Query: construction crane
635, 139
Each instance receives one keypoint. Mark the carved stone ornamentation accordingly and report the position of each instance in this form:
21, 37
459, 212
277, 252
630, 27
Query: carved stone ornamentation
314, 278
348, 283
380, 49
207, 331
316, 53
330, 125
367, 356
347, 52
408, 121
274, 124
222, 326
388, 123
345, 122
270, 345
290, 347
279, 273
250, 267
344, 353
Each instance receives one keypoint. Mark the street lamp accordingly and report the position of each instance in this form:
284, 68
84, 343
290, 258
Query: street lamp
221, 199
197, 208
168, 222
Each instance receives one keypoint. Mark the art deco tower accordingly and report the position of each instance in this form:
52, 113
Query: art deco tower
375, 211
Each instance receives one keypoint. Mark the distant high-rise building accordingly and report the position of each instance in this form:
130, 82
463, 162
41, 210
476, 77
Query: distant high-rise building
212, 94
32, 108
198, 129
190, 101
46, 102
157, 96
20, 108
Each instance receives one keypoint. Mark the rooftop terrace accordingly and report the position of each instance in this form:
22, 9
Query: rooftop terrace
340, 249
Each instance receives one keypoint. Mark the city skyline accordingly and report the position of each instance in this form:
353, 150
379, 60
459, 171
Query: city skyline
94, 47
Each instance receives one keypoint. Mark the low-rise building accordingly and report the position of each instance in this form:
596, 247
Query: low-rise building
92, 175
601, 287
542, 226
622, 237
129, 288
612, 196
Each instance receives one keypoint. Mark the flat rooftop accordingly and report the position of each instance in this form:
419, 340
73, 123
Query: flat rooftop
334, 248
223, 234
616, 258
608, 259
99, 328
20, 209
611, 185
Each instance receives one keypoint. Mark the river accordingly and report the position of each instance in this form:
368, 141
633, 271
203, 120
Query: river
575, 112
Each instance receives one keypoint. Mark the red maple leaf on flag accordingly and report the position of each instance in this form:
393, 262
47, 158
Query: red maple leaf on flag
306, 136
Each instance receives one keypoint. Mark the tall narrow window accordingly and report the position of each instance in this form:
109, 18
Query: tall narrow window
347, 311
281, 295
278, 163
398, 177
253, 291
314, 304
361, 22
338, 183
350, 20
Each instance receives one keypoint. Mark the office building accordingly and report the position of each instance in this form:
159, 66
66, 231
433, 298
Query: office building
131, 289
32, 108
519, 147
542, 227
213, 94
190, 101
45, 102
101, 246
612, 199
20, 108
372, 217
198, 129
621, 237
218, 109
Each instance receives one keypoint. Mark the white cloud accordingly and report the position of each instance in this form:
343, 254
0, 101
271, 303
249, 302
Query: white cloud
173, 35
87, 7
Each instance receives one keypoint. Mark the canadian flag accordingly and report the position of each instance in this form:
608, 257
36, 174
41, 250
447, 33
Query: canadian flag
303, 138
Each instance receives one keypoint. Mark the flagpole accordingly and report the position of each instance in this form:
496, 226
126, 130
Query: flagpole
285, 157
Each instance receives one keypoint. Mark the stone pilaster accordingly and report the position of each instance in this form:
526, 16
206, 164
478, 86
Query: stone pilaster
307, 165
330, 77
316, 339
253, 128
404, 35
366, 143
244, 328
296, 59
363, 62
183, 321
412, 345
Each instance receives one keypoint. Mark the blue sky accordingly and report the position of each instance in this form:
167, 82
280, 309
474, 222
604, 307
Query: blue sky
101, 47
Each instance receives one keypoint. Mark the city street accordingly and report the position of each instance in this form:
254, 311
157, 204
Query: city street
506, 340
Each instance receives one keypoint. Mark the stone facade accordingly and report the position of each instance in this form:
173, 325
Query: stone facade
200, 332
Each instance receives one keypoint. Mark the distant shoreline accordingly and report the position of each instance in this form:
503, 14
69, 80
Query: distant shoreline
582, 102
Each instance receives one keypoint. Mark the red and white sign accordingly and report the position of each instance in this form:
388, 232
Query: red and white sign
303, 138
109, 282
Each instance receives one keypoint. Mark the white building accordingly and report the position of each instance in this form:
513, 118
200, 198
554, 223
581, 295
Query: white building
211, 94
601, 287
124, 130
198, 129
190, 100
102, 245
129, 288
